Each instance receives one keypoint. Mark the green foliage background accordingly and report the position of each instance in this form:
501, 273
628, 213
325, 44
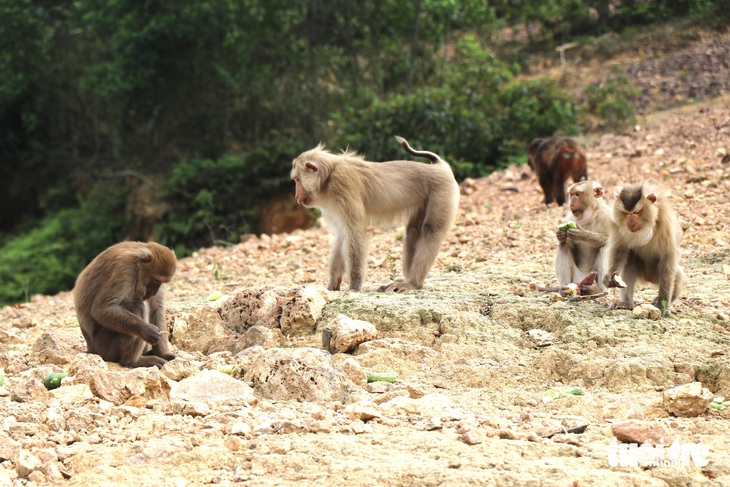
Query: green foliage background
216, 97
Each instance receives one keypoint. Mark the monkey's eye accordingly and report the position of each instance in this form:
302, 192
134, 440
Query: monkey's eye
566, 155
578, 193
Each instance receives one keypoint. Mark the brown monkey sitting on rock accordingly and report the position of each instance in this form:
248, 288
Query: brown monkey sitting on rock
120, 303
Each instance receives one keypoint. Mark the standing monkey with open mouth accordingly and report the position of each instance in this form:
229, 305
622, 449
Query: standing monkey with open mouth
353, 193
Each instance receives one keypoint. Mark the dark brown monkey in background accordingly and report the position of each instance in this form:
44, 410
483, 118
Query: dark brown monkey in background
582, 250
644, 244
353, 193
120, 303
554, 160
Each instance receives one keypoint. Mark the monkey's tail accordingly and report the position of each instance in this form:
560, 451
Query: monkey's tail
418, 153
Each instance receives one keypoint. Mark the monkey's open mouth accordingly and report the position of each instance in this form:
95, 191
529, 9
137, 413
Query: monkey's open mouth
578, 214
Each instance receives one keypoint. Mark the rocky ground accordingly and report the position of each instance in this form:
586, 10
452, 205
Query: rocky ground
253, 400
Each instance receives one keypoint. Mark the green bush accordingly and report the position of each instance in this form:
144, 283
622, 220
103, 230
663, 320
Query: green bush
478, 120
215, 201
610, 101
533, 109
48, 258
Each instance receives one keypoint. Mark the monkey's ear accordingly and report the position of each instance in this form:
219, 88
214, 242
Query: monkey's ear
311, 166
598, 192
651, 197
145, 255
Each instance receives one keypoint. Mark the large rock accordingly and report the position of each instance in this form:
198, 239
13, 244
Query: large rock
210, 386
202, 330
687, 400
29, 390
57, 347
82, 367
303, 374
118, 387
293, 310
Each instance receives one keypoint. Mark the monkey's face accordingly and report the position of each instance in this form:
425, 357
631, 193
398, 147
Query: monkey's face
636, 222
153, 286
304, 175
158, 267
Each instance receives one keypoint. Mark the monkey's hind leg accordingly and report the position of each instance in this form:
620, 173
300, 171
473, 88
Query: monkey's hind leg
421, 250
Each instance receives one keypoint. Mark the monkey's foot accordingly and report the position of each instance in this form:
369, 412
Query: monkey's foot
621, 305
397, 287
149, 361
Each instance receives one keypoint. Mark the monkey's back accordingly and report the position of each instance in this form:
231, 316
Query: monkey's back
407, 187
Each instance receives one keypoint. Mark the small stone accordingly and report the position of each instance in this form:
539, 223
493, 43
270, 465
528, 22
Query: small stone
26, 463
363, 411
178, 369
347, 334
647, 311
472, 436
354, 371
688, 400
637, 431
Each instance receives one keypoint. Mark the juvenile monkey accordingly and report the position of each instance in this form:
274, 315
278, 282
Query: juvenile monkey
120, 303
352, 193
644, 244
554, 160
582, 250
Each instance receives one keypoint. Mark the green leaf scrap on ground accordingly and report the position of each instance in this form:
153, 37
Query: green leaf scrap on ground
215, 296
719, 403
561, 391
380, 376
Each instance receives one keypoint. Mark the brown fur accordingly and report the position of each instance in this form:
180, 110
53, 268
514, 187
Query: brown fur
120, 303
353, 193
554, 160
582, 250
644, 244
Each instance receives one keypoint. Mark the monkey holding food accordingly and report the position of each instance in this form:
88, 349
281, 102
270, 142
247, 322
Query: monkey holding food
644, 244
352, 193
554, 160
120, 304
582, 249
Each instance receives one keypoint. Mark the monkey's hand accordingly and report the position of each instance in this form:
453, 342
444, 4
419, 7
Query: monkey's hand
151, 334
612, 279
562, 235
594, 238
608, 279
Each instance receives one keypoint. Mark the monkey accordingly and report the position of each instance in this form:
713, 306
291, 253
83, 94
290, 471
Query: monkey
582, 250
352, 193
553, 160
120, 303
644, 244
